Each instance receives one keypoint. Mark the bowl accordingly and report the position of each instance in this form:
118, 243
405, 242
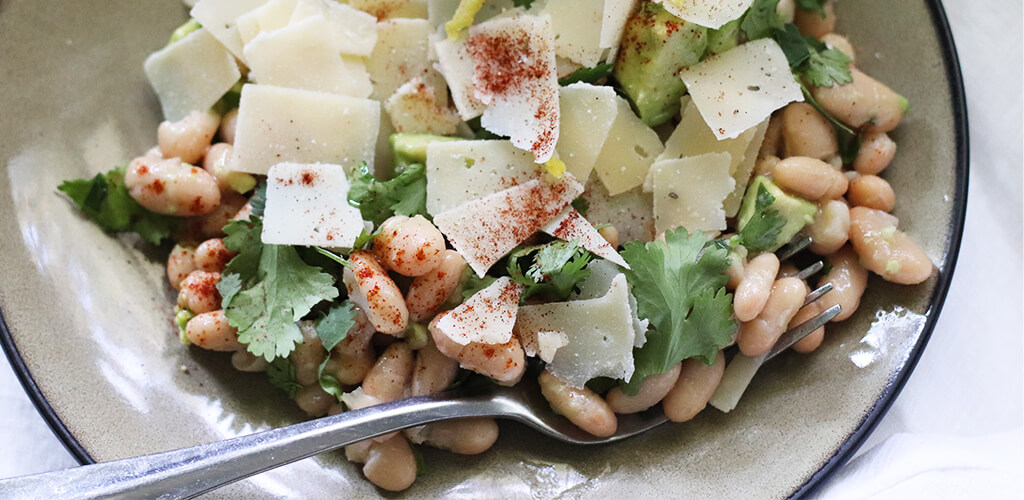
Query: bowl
87, 321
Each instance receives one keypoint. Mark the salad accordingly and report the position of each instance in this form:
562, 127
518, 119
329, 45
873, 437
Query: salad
378, 199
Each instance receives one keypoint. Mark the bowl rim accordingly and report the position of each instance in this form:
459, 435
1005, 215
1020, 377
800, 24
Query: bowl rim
872, 417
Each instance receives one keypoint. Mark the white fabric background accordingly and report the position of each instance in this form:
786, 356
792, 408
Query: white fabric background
955, 431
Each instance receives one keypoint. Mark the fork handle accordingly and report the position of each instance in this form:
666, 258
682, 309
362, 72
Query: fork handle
188, 472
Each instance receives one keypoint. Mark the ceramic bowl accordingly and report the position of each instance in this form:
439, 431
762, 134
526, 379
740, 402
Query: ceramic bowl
87, 320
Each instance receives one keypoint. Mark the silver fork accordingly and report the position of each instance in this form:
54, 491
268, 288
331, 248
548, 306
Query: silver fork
188, 472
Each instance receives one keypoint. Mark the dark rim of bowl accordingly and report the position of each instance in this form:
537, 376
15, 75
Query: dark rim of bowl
870, 419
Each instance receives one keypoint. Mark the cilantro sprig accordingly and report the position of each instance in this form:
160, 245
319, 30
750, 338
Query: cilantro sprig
761, 233
588, 75
679, 285
554, 268
377, 200
105, 200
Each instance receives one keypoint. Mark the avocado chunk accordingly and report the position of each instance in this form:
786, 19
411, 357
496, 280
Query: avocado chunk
412, 148
723, 39
655, 46
769, 217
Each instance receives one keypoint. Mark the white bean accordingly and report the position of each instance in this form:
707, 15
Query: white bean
757, 336
848, 278
212, 224
755, 287
813, 339
171, 187
314, 400
694, 387
467, 436
211, 255
410, 246
429, 291
199, 292
885, 250
583, 407
210, 330
811, 23
831, 227
433, 371
245, 361
864, 103
876, 152
807, 133
385, 306
652, 389
871, 191
390, 464
308, 355
810, 178
505, 363
840, 43
180, 263
353, 357
189, 137
391, 374
228, 125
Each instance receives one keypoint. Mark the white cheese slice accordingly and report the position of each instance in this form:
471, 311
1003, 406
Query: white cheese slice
587, 114
357, 400
577, 25
570, 226
391, 9
600, 334
735, 379
191, 74
486, 317
597, 284
457, 66
305, 55
461, 171
740, 88
631, 212
515, 74
269, 17
401, 54
628, 152
485, 229
288, 125
308, 205
689, 192
355, 31
710, 13
616, 13
413, 108
219, 17
744, 170
442, 11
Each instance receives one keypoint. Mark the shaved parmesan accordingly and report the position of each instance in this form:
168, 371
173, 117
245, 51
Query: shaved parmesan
577, 26
689, 192
599, 331
308, 205
710, 13
631, 213
628, 152
597, 284
306, 55
515, 75
587, 113
616, 13
570, 226
461, 171
191, 74
486, 317
414, 109
744, 170
740, 88
271, 16
457, 66
354, 31
287, 125
737, 376
484, 230
357, 400
442, 11
401, 54
543, 344
219, 17
388, 9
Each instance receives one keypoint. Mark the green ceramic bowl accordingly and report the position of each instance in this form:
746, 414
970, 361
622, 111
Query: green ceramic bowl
87, 317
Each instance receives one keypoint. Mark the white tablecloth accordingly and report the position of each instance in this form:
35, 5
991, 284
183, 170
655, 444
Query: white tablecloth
955, 431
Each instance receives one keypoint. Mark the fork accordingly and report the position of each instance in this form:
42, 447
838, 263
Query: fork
188, 472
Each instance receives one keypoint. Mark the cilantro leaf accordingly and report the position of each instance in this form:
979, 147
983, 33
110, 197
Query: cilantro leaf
281, 372
328, 382
334, 327
556, 269
526, 4
473, 283
105, 200
258, 200
581, 205
406, 194
813, 5
679, 285
826, 67
761, 19
265, 289
588, 75
762, 231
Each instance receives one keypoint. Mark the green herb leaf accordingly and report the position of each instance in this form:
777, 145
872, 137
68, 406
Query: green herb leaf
588, 75
266, 289
105, 200
679, 285
556, 268
258, 201
812, 5
581, 205
526, 4
762, 231
827, 67
473, 283
406, 194
281, 372
334, 327
329, 383
761, 19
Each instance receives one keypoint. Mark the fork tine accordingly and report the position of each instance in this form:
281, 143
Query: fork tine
817, 294
793, 247
802, 330
810, 270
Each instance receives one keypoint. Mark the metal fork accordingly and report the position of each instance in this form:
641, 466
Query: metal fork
188, 472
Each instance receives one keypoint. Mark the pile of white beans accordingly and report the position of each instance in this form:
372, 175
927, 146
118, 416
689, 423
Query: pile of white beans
388, 360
